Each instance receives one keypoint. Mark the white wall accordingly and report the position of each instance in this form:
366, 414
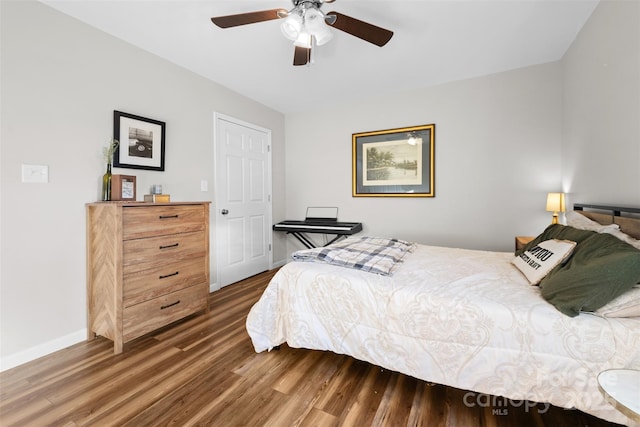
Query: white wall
497, 144
61, 81
601, 156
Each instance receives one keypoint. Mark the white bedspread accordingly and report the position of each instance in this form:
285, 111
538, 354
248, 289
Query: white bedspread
462, 318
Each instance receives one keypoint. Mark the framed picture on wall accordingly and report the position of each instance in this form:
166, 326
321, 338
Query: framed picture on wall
141, 142
394, 162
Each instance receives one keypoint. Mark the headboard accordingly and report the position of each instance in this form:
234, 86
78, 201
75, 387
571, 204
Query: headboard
628, 218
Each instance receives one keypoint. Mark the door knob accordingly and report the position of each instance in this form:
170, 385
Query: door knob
224, 211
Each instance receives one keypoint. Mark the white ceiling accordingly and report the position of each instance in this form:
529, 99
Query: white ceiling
435, 41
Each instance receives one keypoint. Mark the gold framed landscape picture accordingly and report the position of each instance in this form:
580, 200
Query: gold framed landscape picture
394, 162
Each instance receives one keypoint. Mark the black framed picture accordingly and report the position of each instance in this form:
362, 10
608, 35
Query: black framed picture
394, 162
141, 142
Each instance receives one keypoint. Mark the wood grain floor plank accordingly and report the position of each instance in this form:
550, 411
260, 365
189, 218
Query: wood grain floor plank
71, 383
366, 402
432, 405
203, 371
343, 387
457, 414
100, 394
176, 407
385, 414
12, 416
316, 417
221, 396
299, 372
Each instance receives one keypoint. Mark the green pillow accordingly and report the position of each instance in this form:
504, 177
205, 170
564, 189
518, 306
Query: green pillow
601, 268
559, 232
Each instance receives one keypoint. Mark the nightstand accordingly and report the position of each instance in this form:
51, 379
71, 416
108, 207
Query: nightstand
521, 241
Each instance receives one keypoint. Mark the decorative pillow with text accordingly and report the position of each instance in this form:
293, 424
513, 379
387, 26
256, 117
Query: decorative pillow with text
536, 262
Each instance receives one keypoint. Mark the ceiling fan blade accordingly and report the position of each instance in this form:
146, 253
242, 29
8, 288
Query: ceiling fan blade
301, 55
364, 30
248, 18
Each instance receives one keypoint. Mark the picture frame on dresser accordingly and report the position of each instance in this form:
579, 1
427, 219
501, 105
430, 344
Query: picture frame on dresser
123, 188
142, 142
394, 162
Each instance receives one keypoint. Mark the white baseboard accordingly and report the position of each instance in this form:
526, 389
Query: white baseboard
40, 350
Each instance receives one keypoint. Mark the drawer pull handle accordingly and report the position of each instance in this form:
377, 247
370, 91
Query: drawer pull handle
175, 245
169, 275
170, 305
168, 216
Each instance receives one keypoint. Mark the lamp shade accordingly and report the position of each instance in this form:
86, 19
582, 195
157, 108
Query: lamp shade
303, 40
291, 26
314, 22
555, 202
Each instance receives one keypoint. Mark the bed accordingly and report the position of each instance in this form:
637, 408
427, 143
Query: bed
472, 319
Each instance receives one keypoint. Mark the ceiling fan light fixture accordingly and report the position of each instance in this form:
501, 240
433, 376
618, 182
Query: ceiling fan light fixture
314, 23
322, 37
292, 26
304, 40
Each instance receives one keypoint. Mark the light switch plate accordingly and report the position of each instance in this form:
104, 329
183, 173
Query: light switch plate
204, 185
37, 174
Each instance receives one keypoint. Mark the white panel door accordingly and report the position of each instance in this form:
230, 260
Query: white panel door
243, 199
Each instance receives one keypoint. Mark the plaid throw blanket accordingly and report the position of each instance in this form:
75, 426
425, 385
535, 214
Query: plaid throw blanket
372, 254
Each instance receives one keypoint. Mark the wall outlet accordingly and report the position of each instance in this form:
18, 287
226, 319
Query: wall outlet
36, 174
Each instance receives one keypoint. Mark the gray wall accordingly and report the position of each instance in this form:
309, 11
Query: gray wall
61, 81
497, 144
601, 138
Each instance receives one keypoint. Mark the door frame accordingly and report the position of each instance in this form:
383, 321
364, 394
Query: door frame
216, 210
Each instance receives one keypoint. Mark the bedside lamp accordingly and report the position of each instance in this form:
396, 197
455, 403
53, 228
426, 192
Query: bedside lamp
555, 204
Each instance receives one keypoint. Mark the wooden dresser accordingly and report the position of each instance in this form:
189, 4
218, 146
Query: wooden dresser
147, 266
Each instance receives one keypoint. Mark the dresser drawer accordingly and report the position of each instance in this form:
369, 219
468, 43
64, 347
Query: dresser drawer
153, 314
145, 221
145, 254
143, 285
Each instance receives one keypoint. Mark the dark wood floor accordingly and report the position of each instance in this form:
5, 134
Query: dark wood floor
203, 371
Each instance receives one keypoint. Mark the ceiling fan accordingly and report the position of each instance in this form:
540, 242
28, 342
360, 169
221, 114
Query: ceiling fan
305, 25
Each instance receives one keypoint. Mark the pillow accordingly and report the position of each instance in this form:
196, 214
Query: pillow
538, 261
560, 232
626, 305
601, 268
581, 222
